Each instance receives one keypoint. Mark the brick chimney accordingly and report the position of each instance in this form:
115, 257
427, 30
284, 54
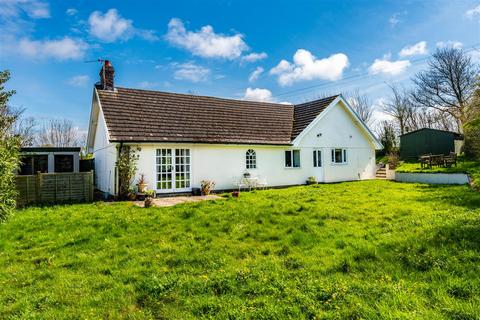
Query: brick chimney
106, 76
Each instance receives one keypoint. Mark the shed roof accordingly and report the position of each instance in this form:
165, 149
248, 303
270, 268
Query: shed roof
49, 149
456, 135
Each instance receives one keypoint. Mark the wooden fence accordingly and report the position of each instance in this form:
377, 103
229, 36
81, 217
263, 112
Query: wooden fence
55, 188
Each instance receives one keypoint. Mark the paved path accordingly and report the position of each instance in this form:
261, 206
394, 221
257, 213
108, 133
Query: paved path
171, 201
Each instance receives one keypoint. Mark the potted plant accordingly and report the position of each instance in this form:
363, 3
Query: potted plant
235, 194
142, 184
132, 193
149, 195
206, 186
312, 180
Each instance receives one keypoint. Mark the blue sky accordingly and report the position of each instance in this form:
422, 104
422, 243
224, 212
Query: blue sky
283, 51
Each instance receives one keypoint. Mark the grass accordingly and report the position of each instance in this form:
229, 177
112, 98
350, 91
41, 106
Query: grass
463, 166
371, 249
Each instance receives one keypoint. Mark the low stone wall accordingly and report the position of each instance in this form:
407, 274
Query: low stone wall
432, 178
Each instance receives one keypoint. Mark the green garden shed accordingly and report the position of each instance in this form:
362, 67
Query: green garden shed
429, 141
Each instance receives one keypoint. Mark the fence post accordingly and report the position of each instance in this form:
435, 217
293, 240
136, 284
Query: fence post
70, 188
91, 185
38, 182
56, 189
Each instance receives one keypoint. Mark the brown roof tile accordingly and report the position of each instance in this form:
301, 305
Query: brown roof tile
153, 116
306, 112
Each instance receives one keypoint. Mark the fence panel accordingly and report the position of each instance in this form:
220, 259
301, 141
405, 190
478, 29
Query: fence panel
55, 188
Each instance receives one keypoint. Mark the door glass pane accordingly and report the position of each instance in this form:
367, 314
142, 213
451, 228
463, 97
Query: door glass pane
164, 169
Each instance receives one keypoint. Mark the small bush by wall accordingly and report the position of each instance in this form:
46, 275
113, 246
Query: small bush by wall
472, 139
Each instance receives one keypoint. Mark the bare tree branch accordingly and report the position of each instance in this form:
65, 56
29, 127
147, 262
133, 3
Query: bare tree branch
447, 85
58, 133
361, 104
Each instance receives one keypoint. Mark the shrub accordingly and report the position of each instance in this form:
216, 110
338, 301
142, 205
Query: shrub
9, 144
127, 166
393, 160
8, 164
207, 186
472, 139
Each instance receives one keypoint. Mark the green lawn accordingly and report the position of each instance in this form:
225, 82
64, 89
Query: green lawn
372, 250
470, 167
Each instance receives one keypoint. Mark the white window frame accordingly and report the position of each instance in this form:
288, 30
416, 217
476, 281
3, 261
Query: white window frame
251, 159
317, 158
344, 156
292, 157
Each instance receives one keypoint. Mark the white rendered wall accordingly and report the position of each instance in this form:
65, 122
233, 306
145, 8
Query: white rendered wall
105, 154
221, 163
338, 129
433, 178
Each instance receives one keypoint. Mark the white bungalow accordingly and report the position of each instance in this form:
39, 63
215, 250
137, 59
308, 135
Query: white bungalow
185, 139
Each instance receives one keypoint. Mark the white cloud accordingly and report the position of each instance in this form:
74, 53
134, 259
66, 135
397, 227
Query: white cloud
205, 42
388, 67
191, 72
449, 43
419, 48
33, 8
255, 74
110, 26
79, 81
306, 66
258, 94
71, 11
61, 49
473, 12
253, 57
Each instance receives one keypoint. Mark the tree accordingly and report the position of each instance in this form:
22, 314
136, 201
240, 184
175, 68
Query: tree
9, 145
472, 127
24, 128
400, 108
59, 133
447, 85
387, 137
362, 105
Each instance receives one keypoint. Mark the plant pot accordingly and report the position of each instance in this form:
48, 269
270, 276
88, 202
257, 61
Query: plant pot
236, 194
148, 202
311, 182
142, 187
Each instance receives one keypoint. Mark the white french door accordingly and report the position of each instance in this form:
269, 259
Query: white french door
173, 170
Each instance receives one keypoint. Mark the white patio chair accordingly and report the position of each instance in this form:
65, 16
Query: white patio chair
238, 182
262, 182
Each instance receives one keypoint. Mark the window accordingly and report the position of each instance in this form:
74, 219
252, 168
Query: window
339, 155
63, 163
292, 158
251, 159
317, 158
33, 164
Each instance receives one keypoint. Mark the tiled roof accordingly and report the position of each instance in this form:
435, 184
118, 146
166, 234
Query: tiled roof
154, 116
305, 113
